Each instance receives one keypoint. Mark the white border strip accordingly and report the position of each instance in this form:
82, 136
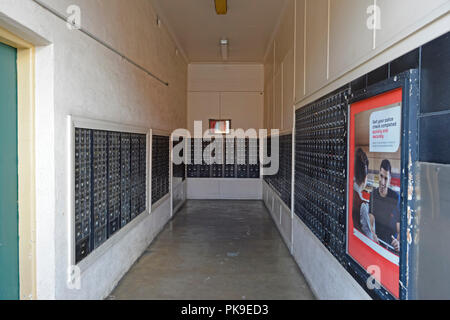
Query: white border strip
158, 203
275, 197
377, 248
86, 123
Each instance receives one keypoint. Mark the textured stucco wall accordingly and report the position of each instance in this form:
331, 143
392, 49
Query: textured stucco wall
77, 76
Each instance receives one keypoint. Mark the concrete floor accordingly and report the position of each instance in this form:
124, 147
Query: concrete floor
216, 250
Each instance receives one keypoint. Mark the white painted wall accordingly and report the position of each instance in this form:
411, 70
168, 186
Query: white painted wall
227, 77
280, 71
245, 109
280, 212
224, 189
75, 75
335, 45
202, 106
226, 91
316, 44
360, 39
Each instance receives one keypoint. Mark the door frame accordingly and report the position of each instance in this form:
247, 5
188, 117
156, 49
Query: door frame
26, 162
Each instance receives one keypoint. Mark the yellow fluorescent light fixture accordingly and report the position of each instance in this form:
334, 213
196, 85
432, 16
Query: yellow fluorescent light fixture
221, 6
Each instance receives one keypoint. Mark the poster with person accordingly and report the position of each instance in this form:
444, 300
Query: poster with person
373, 236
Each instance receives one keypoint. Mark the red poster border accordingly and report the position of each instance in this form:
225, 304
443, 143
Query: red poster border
358, 250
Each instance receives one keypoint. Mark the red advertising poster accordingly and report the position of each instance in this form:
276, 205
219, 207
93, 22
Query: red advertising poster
220, 126
373, 233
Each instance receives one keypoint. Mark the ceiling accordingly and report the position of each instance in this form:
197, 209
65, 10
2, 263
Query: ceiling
197, 28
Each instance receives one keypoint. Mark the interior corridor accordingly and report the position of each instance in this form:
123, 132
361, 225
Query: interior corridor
216, 250
224, 150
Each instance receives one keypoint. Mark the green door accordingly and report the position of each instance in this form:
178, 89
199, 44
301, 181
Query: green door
9, 219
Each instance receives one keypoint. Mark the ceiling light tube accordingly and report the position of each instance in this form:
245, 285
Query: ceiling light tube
224, 49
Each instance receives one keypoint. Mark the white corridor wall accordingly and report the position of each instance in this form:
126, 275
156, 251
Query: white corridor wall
225, 91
